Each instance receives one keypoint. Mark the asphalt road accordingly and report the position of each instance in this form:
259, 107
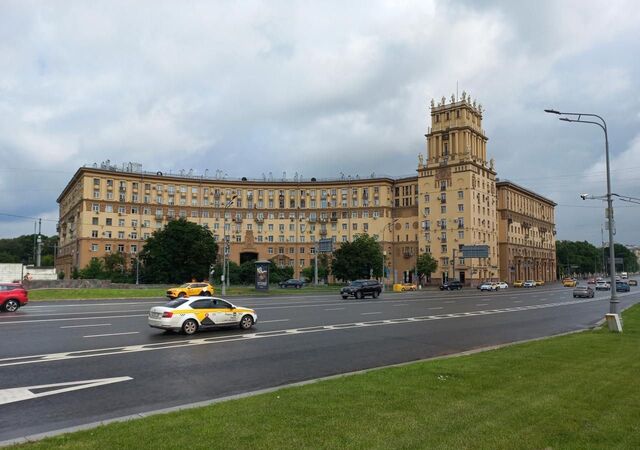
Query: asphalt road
297, 338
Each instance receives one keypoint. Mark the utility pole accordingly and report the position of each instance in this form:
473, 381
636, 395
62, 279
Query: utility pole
39, 244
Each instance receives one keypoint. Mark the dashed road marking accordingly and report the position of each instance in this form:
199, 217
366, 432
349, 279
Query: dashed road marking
369, 313
88, 325
111, 334
437, 307
481, 304
334, 309
399, 304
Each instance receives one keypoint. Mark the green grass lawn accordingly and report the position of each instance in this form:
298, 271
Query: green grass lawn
578, 391
94, 293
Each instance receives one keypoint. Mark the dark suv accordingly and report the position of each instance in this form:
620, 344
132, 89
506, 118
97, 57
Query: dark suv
12, 296
451, 285
360, 288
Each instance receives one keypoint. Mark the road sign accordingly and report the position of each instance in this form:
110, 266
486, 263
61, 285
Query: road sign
325, 245
475, 251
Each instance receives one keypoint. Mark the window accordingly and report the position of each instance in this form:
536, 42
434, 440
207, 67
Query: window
460, 194
121, 248
443, 209
95, 207
94, 233
94, 221
460, 207
94, 247
107, 248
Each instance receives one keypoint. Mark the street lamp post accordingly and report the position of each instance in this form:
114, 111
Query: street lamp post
577, 117
225, 247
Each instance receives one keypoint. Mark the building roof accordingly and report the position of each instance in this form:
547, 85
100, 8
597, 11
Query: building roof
511, 184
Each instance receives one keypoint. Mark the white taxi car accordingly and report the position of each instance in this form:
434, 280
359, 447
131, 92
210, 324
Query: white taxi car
190, 314
489, 286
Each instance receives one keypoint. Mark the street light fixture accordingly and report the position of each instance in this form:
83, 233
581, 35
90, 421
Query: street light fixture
225, 246
577, 118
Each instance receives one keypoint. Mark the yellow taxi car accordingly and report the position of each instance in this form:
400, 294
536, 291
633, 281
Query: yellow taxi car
539, 282
188, 315
190, 289
569, 282
408, 287
518, 283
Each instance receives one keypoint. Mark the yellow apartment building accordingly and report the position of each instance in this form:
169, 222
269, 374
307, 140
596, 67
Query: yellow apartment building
107, 209
526, 231
454, 200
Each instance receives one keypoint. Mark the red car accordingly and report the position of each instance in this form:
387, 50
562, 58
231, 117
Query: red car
12, 296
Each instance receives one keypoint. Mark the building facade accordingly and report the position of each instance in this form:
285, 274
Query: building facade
526, 231
453, 201
105, 210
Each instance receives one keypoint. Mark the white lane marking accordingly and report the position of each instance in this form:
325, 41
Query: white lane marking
24, 393
334, 309
481, 304
91, 312
71, 318
87, 305
400, 304
275, 320
369, 313
437, 307
88, 325
36, 359
110, 334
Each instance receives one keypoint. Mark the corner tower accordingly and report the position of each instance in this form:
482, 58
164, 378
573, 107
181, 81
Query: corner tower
457, 192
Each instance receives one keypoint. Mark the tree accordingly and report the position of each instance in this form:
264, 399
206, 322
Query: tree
323, 269
629, 259
278, 274
182, 250
247, 272
233, 275
358, 259
94, 270
426, 265
578, 257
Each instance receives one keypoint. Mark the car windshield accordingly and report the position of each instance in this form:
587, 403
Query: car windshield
185, 285
356, 283
175, 303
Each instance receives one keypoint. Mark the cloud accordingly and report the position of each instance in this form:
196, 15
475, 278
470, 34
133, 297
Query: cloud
316, 89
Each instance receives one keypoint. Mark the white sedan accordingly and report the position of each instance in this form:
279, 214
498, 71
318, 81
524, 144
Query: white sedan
188, 315
489, 287
502, 285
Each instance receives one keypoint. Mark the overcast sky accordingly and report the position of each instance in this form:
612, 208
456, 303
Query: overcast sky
316, 88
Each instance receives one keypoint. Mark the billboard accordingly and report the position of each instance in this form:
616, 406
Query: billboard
262, 275
325, 246
475, 251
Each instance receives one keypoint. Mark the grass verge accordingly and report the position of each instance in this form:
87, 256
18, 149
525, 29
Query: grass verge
106, 293
578, 391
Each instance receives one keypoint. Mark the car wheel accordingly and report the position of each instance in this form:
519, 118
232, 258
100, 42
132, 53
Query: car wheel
181, 295
359, 294
375, 294
344, 297
189, 327
11, 305
298, 287
205, 293
246, 322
